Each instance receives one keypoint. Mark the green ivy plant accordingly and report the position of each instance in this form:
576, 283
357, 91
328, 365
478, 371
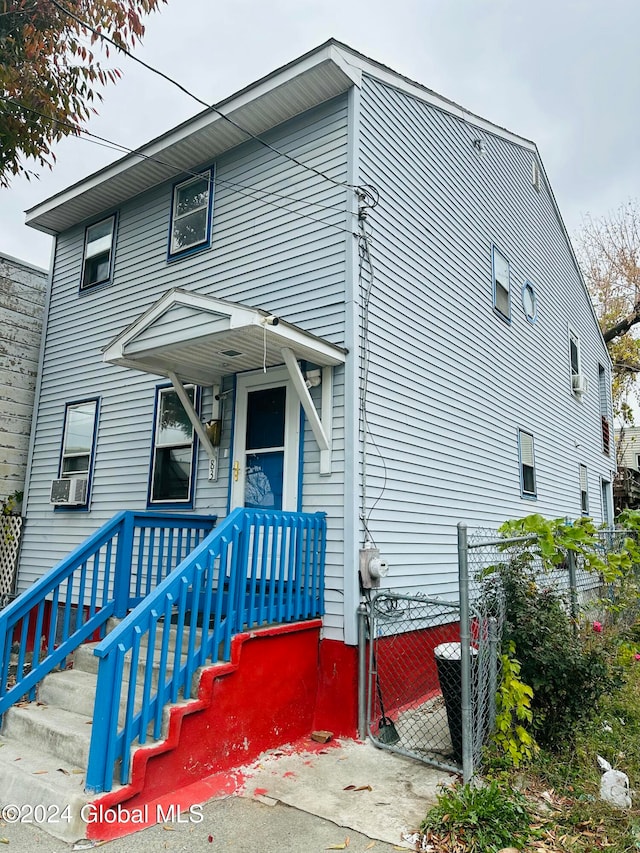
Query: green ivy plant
513, 714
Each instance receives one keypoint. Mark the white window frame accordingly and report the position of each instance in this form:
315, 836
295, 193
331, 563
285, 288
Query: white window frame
584, 489
103, 247
84, 472
157, 445
526, 457
175, 250
575, 370
498, 282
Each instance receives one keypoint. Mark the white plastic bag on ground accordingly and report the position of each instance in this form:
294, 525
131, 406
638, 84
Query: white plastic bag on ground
614, 785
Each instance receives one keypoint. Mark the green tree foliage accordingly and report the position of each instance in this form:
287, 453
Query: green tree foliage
608, 250
50, 74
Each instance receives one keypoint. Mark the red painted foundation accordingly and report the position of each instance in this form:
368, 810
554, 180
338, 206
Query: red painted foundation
263, 698
280, 685
407, 665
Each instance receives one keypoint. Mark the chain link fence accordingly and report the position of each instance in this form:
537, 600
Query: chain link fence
433, 667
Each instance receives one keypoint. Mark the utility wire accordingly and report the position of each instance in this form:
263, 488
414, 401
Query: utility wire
81, 133
366, 287
210, 107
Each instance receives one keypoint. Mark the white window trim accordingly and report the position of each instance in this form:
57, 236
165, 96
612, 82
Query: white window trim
584, 489
524, 455
576, 376
87, 256
174, 250
188, 501
496, 251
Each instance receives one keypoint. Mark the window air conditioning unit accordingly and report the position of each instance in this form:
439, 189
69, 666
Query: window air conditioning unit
579, 383
69, 491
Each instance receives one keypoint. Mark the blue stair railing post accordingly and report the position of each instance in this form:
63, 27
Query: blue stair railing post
239, 566
99, 769
122, 579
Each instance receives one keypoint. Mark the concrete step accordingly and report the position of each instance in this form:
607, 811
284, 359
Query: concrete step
47, 791
74, 690
57, 732
71, 690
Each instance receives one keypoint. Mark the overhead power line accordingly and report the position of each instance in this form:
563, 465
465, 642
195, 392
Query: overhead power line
190, 94
251, 192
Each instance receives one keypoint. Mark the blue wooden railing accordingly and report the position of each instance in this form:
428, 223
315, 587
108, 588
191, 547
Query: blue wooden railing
104, 576
255, 568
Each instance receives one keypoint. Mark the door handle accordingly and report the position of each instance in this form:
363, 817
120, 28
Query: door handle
236, 471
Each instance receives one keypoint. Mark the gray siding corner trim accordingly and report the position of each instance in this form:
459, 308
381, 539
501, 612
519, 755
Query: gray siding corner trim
352, 392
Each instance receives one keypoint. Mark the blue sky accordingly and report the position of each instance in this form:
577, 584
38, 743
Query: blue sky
565, 74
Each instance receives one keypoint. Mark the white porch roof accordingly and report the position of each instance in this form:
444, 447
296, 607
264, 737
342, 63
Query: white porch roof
200, 339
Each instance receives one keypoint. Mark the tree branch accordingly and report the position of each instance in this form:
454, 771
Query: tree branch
623, 325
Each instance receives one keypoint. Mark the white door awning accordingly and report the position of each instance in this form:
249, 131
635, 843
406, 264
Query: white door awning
188, 337
202, 339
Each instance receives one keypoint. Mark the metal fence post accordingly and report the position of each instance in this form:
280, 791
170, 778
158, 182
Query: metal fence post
362, 670
493, 671
573, 587
465, 655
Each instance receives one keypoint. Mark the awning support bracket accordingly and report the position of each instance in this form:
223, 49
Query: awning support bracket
321, 426
193, 416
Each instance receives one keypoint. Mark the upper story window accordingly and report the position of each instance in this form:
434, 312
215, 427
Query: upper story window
501, 284
172, 463
98, 252
191, 214
578, 379
76, 456
527, 465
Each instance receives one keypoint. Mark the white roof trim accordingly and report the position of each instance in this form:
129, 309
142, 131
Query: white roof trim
317, 76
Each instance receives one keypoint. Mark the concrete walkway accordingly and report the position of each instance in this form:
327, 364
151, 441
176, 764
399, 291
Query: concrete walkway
303, 797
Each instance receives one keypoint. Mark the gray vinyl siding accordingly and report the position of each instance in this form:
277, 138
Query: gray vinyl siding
286, 255
451, 382
22, 297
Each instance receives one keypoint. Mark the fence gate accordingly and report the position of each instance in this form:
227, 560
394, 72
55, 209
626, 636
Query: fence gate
411, 637
415, 691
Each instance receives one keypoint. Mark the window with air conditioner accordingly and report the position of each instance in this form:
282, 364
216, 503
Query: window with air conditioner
501, 284
72, 486
527, 465
173, 451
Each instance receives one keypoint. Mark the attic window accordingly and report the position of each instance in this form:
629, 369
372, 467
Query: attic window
191, 214
98, 252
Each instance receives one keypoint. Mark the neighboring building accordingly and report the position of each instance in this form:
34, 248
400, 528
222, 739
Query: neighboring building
22, 300
366, 248
22, 304
626, 486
